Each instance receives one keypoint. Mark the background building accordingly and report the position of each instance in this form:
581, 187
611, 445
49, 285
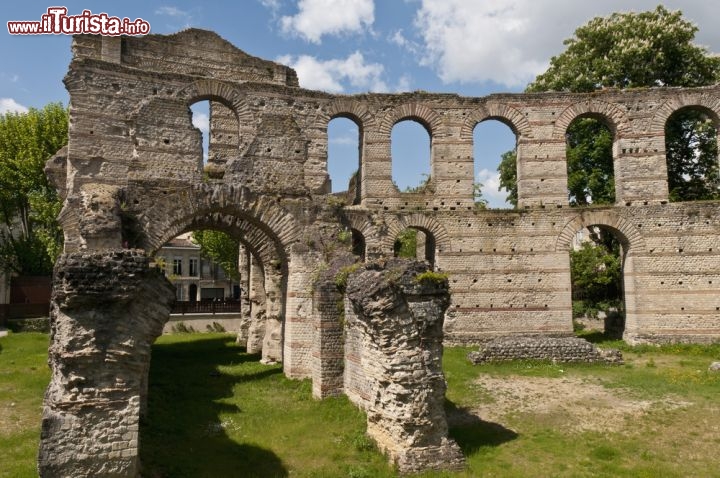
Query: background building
196, 279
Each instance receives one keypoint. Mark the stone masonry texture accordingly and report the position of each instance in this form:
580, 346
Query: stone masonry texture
554, 349
132, 177
107, 309
398, 318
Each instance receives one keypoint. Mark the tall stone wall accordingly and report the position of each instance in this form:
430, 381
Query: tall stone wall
107, 310
509, 270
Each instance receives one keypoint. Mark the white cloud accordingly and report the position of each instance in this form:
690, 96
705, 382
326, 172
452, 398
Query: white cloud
511, 41
202, 122
9, 105
171, 11
480, 41
490, 181
316, 18
273, 5
14, 78
399, 39
403, 84
333, 75
344, 140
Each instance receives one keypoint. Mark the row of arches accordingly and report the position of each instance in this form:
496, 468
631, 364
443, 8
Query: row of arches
413, 128
691, 146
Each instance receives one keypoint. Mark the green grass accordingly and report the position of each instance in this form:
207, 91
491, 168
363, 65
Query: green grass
215, 411
24, 374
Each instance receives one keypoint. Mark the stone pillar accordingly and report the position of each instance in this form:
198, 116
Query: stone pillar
107, 309
245, 304
327, 365
299, 317
256, 329
274, 308
399, 309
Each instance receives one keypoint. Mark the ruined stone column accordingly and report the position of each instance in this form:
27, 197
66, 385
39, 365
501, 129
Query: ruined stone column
107, 309
256, 330
327, 364
245, 304
272, 340
398, 319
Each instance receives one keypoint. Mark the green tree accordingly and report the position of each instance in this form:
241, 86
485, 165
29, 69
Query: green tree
595, 269
508, 176
30, 237
692, 156
628, 50
406, 244
589, 163
221, 248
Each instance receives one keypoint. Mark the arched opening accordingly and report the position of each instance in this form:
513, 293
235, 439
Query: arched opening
691, 146
344, 155
590, 169
597, 272
415, 243
220, 134
495, 169
201, 120
411, 150
202, 265
358, 243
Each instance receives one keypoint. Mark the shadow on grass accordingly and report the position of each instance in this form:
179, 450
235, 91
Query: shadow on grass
598, 337
183, 433
471, 433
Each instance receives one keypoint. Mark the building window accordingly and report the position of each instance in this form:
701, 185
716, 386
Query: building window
205, 270
193, 267
177, 266
179, 292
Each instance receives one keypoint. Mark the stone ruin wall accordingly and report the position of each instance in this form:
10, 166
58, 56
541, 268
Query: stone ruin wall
131, 136
132, 177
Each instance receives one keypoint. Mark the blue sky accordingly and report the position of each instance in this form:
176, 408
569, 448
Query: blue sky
469, 47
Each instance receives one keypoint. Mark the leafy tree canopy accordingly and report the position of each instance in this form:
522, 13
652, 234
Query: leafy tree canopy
628, 50
30, 237
221, 248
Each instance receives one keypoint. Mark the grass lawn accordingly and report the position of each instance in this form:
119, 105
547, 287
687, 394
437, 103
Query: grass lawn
215, 411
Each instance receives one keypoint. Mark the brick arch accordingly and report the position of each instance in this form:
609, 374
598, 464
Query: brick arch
616, 118
397, 224
214, 90
684, 100
265, 225
232, 98
261, 244
507, 115
353, 110
363, 225
628, 235
419, 112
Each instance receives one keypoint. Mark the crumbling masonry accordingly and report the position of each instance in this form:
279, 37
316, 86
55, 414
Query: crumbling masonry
132, 177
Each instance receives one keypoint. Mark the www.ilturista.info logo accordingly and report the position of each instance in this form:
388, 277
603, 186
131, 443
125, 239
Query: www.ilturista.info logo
57, 22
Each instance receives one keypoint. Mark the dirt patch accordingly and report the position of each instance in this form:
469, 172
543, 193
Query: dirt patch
567, 404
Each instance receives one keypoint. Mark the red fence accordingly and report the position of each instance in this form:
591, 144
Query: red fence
23, 311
